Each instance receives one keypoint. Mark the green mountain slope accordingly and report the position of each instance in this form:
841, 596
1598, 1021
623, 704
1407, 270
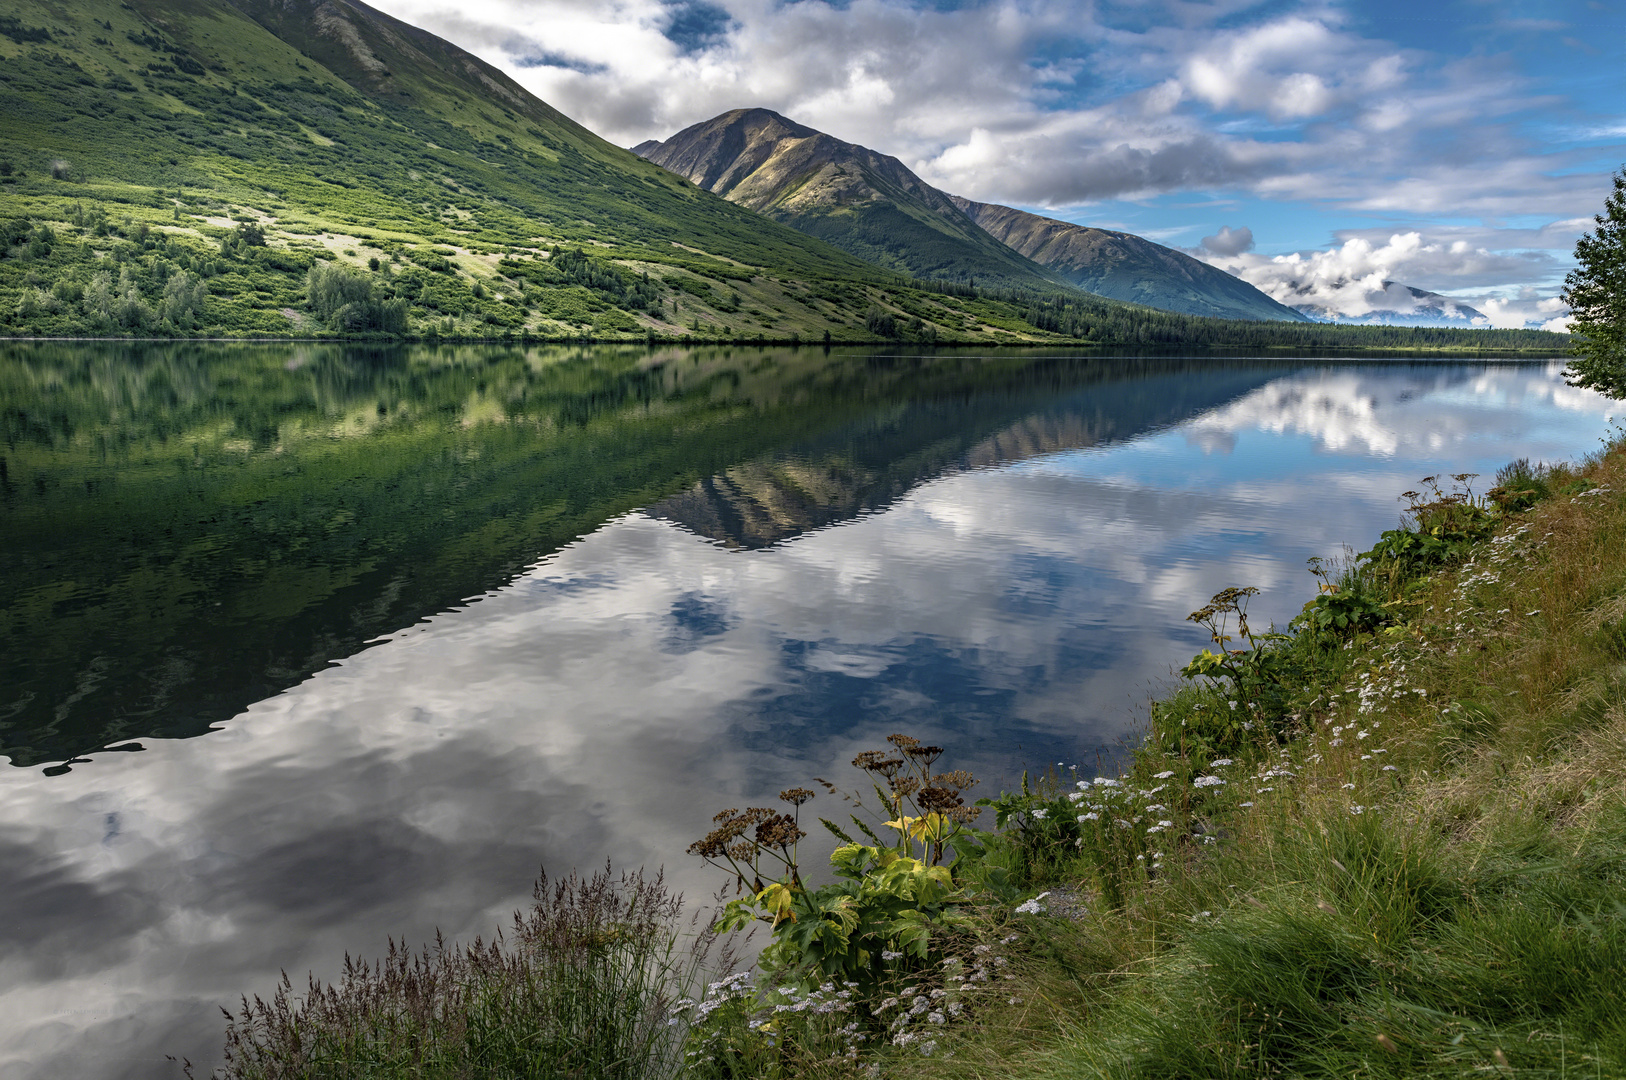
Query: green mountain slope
863, 202
1127, 267
241, 145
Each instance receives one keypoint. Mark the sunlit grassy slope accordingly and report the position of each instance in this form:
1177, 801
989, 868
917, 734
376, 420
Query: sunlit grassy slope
172, 169
351, 136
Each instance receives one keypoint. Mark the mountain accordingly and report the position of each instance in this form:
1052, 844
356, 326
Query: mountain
1393, 304
873, 206
864, 202
182, 168
253, 168
1126, 267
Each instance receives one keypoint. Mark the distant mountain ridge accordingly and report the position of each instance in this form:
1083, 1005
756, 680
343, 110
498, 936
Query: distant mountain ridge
871, 205
1123, 266
1403, 305
866, 203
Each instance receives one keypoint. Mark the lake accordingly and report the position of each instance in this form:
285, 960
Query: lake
306, 646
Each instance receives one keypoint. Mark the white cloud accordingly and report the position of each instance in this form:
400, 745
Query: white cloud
1229, 241
1364, 276
1064, 103
1268, 69
1048, 102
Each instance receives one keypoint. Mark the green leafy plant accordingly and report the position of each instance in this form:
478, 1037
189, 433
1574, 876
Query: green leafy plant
1039, 823
1255, 676
1341, 609
1440, 528
891, 897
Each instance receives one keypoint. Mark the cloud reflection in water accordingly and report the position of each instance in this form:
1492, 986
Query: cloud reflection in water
604, 704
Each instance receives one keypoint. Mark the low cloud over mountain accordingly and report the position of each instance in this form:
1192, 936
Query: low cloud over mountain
1361, 280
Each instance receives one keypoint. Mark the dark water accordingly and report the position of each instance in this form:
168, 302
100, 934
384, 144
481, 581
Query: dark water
302, 647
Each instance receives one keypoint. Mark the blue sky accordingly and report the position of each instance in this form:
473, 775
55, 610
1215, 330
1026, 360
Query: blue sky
1458, 146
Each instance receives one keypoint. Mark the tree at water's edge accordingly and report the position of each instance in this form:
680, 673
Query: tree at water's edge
1596, 294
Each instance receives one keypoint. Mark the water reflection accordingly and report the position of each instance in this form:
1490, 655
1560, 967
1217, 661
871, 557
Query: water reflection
1010, 583
190, 529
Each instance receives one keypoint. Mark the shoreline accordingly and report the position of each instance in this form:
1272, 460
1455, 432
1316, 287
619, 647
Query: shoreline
1261, 352
1390, 843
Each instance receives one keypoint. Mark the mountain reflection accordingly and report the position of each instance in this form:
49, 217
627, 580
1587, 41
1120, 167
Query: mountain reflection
1024, 589
193, 528
759, 503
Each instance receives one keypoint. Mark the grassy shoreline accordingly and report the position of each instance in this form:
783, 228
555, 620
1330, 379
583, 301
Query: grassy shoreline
1391, 843
1422, 873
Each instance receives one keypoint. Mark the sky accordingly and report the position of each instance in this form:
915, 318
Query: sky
1316, 149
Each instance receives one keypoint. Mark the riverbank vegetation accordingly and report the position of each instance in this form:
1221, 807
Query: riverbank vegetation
1388, 840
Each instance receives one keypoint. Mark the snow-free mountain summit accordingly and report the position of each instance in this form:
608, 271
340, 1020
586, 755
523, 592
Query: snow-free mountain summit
873, 206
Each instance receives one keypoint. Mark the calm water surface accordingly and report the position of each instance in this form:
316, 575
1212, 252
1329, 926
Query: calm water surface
305, 647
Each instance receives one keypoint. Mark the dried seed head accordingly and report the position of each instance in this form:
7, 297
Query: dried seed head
779, 832
731, 825
796, 796
876, 761
905, 785
902, 742
714, 845
958, 779
939, 799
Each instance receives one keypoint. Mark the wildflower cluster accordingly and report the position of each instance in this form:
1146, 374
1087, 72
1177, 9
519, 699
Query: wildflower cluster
1124, 828
740, 1028
896, 903
744, 1027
